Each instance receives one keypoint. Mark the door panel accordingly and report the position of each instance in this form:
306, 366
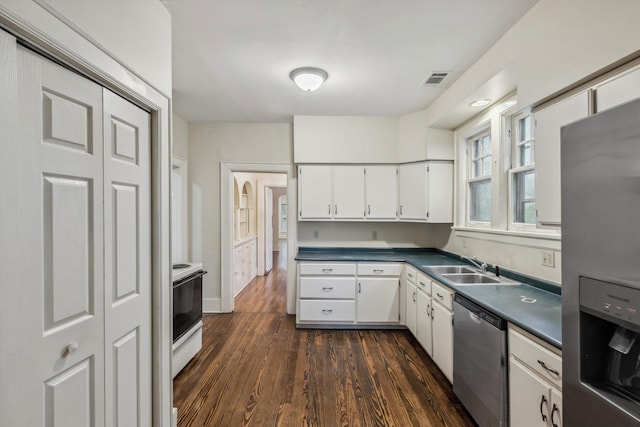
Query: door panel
68, 397
127, 244
67, 233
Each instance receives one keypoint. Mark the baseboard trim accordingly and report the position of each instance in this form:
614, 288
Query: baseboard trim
211, 305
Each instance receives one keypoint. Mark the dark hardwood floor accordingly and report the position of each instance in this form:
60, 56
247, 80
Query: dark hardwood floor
256, 368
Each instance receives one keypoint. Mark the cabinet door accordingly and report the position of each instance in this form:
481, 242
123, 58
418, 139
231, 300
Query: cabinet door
314, 192
378, 300
381, 191
528, 398
348, 192
412, 191
410, 307
442, 326
547, 153
423, 321
556, 408
440, 192
618, 91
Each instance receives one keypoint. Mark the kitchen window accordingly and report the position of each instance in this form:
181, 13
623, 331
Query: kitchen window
522, 174
479, 177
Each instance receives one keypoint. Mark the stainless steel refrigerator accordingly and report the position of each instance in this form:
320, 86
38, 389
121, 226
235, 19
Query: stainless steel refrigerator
601, 269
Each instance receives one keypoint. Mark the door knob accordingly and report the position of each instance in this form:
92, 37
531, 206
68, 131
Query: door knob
71, 348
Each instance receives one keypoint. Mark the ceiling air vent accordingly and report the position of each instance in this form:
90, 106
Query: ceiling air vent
436, 78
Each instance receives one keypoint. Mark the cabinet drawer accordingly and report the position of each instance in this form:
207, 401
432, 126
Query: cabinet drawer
327, 268
536, 357
327, 311
410, 274
379, 269
237, 251
328, 287
442, 294
424, 283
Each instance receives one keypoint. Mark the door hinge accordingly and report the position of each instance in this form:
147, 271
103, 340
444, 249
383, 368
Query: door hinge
427, 168
365, 171
427, 214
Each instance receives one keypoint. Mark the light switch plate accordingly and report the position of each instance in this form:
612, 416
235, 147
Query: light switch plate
548, 258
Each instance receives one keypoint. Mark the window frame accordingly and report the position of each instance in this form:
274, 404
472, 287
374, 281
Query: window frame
516, 170
472, 179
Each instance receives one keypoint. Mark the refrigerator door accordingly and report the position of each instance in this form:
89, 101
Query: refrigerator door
600, 158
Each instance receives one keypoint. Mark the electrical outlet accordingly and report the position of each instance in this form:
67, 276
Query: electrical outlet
315, 234
548, 258
374, 235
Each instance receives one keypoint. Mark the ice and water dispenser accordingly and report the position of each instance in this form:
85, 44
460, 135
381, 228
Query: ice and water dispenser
610, 342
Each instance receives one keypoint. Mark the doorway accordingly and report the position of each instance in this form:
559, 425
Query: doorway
229, 212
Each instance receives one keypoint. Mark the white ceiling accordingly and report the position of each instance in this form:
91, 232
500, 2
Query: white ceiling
232, 58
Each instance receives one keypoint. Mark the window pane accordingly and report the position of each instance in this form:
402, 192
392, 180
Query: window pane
525, 154
524, 197
486, 145
480, 201
486, 166
477, 168
525, 129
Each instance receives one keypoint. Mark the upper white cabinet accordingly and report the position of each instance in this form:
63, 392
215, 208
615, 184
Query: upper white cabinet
381, 192
348, 192
327, 192
426, 191
619, 90
547, 153
314, 192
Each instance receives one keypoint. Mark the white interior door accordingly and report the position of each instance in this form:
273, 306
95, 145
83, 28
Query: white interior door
79, 248
127, 242
268, 229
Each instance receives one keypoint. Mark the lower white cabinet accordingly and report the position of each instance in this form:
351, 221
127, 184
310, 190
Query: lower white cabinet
424, 333
245, 263
411, 298
442, 328
348, 294
535, 381
378, 300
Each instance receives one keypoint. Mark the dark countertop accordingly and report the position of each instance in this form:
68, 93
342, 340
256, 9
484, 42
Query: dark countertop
543, 317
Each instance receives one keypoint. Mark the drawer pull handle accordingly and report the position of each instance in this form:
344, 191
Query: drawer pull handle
423, 284
327, 288
440, 296
378, 271
410, 275
548, 369
543, 402
327, 270
414, 296
553, 415
327, 311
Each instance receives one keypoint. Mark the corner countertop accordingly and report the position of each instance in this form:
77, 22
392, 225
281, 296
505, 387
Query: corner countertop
533, 305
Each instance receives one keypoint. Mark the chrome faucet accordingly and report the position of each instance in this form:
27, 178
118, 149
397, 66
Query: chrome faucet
475, 261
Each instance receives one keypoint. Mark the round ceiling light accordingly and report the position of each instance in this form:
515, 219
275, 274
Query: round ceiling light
480, 103
308, 78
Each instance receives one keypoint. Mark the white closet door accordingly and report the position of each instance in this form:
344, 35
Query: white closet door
56, 357
127, 199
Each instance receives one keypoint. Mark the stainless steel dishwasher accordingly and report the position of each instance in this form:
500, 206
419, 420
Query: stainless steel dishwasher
480, 363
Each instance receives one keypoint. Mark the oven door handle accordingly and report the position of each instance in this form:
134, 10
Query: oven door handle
189, 278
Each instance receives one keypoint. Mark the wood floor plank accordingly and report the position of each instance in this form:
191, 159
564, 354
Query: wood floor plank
257, 369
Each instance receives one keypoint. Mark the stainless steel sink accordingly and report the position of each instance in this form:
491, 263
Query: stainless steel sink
449, 269
470, 278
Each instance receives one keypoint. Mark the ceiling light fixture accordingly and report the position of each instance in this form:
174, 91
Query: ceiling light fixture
308, 78
480, 103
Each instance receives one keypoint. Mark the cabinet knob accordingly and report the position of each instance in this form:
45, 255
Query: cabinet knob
327, 311
71, 348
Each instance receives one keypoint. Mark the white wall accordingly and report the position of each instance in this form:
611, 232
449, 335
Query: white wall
180, 141
557, 43
360, 235
210, 144
136, 32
